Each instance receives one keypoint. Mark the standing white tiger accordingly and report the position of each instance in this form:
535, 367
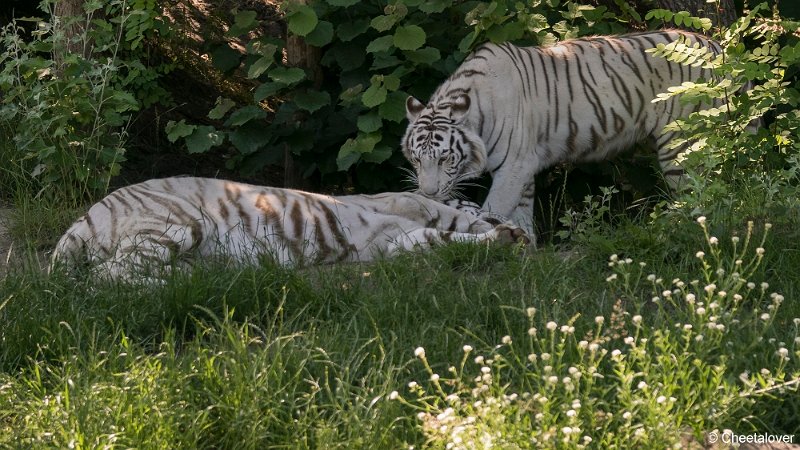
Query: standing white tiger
514, 111
152, 224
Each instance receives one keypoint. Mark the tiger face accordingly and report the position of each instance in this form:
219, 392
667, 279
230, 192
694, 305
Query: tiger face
441, 147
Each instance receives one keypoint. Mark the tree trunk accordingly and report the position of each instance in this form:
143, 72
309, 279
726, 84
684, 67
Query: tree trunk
300, 54
72, 25
68, 17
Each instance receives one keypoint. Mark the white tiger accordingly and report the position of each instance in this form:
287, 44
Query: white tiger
514, 111
158, 222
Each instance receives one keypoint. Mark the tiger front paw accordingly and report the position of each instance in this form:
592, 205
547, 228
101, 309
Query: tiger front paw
512, 234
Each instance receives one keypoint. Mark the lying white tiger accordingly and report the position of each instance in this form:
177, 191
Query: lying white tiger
514, 111
155, 223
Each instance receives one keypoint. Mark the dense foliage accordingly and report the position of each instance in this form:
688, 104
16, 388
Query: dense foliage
67, 97
373, 57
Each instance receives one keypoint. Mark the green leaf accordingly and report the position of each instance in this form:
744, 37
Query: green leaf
348, 30
343, 3
346, 159
267, 90
380, 44
177, 130
223, 106
287, 75
377, 155
242, 23
369, 123
322, 34
384, 23
244, 115
391, 82
225, 58
301, 20
374, 96
425, 55
351, 94
352, 149
435, 6
259, 66
409, 37
250, 138
203, 138
383, 60
312, 100
394, 108
347, 55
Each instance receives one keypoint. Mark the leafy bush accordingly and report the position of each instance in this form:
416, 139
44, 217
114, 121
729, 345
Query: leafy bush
731, 164
373, 57
67, 112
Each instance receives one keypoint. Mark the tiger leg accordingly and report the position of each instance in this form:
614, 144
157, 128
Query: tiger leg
434, 214
135, 261
476, 211
523, 213
148, 254
425, 238
512, 193
674, 174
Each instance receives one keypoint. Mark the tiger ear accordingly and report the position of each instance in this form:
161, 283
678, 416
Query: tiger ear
413, 108
459, 107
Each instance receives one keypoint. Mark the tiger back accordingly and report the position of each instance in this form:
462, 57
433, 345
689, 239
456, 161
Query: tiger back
158, 222
514, 111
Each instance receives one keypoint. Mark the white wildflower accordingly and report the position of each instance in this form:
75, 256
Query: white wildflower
599, 320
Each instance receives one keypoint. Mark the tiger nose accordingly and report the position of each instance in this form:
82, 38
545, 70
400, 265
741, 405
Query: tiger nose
429, 190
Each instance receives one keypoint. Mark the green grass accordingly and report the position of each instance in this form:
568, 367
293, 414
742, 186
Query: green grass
270, 357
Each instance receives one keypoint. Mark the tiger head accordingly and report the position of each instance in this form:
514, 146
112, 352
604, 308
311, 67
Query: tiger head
441, 146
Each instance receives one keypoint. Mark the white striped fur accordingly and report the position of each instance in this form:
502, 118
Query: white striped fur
159, 222
514, 111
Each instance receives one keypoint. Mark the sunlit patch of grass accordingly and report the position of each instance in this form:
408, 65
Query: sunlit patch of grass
708, 353
229, 357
